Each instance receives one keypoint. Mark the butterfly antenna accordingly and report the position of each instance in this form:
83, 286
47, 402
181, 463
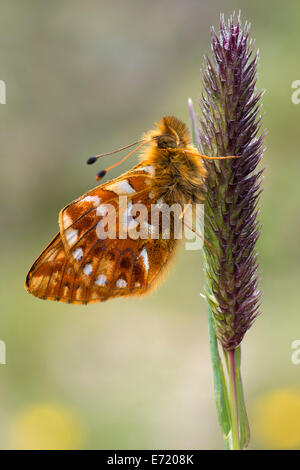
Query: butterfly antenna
95, 157
102, 173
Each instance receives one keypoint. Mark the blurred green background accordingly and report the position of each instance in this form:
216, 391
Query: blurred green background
88, 77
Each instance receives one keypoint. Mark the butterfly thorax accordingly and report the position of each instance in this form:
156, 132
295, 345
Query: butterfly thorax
179, 173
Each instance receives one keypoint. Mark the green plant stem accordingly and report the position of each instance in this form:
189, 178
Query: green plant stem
242, 413
220, 388
233, 400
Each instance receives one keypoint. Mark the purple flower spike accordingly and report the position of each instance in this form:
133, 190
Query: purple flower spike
230, 125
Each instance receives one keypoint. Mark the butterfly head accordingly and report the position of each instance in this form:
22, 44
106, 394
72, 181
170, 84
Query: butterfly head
166, 141
170, 133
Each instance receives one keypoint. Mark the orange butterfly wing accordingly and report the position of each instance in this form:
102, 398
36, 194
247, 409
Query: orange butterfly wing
53, 277
101, 268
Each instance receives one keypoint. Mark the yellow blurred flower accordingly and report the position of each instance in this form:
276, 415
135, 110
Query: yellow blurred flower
46, 426
276, 419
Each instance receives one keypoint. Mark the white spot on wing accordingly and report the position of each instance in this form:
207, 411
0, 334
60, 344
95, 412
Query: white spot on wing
147, 169
121, 283
144, 255
87, 269
78, 254
94, 199
121, 187
72, 235
67, 221
101, 280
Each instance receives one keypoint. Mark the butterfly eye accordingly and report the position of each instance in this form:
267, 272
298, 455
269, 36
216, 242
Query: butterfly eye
164, 142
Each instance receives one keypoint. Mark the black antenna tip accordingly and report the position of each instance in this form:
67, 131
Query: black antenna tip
100, 175
91, 160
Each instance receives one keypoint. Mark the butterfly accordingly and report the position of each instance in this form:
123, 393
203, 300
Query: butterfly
81, 267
